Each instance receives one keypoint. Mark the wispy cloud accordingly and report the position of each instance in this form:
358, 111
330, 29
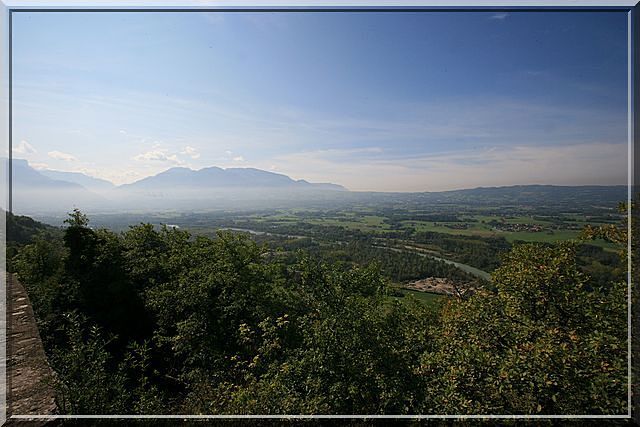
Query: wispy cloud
456, 122
577, 164
500, 16
383, 147
191, 152
388, 141
535, 73
59, 155
159, 155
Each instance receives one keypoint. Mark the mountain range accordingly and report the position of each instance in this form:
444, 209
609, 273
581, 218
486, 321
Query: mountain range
33, 191
218, 178
88, 182
182, 190
51, 190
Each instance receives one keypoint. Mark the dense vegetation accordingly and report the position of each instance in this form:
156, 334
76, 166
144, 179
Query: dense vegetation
22, 230
159, 321
483, 253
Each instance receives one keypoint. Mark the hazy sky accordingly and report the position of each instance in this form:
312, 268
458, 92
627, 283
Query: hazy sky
372, 101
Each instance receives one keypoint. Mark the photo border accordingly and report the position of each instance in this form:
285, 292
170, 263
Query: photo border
7, 8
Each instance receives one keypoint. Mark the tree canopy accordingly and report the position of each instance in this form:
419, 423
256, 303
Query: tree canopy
156, 320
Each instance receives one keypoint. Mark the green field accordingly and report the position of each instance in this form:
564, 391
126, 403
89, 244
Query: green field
362, 223
484, 230
474, 229
477, 225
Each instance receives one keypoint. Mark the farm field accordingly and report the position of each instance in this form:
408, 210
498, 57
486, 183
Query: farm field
469, 225
406, 238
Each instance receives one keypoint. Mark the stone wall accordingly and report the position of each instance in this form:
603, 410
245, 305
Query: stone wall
29, 376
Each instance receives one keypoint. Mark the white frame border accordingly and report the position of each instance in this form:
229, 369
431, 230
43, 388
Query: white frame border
9, 6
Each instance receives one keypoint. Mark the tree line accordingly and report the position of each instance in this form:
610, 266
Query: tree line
159, 321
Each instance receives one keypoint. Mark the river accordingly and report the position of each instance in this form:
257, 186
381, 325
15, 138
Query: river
425, 253
419, 251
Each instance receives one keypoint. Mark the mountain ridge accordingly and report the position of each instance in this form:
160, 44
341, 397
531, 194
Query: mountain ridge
216, 177
183, 189
89, 182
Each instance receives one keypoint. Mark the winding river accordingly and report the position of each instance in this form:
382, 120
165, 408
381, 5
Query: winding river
425, 253
419, 251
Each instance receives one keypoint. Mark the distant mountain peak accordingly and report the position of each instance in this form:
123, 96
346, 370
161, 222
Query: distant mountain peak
89, 182
36, 191
218, 178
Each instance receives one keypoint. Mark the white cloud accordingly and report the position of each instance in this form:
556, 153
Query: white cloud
38, 166
151, 155
228, 152
59, 155
24, 147
191, 152
501, 16
174, 159
238, 159
159, 155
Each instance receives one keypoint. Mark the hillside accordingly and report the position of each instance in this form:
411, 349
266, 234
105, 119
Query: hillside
23, 229
88, 182
35, 192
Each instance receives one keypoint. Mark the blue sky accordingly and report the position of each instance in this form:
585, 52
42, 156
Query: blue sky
373, 101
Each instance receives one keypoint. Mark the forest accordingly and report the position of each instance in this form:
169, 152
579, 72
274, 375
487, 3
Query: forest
154, 320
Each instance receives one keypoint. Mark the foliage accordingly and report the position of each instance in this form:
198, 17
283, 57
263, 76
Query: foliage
156, 320
85, 384
543, 344
22, 230
480, 252
615, 233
